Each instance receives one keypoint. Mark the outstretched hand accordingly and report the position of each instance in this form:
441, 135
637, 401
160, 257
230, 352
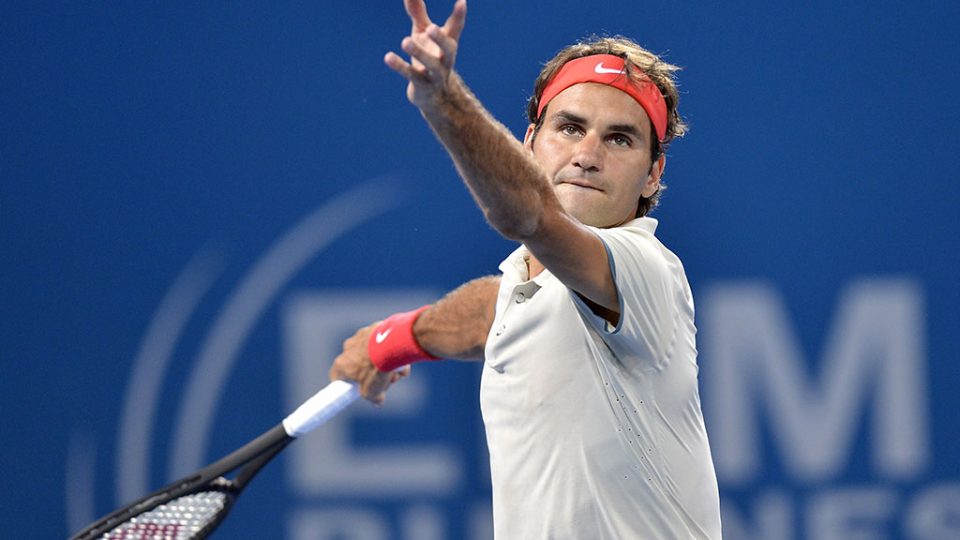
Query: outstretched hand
432, 50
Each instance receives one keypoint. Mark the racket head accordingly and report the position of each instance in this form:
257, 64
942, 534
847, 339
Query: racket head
189, 516
193, 506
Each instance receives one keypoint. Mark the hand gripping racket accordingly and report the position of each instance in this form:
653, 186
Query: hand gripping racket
192, 507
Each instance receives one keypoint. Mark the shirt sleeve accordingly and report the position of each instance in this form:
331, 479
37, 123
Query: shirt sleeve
647, 293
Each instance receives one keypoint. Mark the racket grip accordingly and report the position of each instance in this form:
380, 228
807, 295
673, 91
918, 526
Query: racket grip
323, 406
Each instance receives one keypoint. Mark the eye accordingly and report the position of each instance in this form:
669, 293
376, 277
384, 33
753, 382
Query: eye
621, 140
569, 129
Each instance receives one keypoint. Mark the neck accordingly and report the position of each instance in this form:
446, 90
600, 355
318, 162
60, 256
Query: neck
534, 267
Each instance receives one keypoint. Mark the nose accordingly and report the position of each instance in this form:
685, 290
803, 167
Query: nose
588, 154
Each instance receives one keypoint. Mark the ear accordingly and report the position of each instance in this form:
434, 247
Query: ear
528, 137
653, 179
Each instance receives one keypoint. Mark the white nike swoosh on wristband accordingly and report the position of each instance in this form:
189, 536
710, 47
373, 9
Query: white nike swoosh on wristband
382, 335
601, 69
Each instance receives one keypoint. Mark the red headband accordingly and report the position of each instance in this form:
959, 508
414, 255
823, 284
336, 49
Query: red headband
609, 70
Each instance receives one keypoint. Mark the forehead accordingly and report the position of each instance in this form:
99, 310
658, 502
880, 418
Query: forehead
601, 104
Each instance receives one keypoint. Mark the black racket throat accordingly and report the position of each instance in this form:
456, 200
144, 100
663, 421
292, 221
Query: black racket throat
249, 459
252, 457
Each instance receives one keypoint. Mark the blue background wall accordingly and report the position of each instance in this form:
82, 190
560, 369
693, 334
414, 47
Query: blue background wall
198, 202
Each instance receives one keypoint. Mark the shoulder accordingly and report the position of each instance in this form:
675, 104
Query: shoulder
641, 229
634, 246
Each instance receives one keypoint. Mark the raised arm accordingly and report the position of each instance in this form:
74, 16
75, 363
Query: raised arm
509, 186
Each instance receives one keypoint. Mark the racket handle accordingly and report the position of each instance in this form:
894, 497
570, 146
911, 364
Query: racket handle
323, 406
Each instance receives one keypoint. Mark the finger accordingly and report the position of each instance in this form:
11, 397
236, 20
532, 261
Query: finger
447, 45
336, 373
399, 373
453, 27
413, 70
432, 61
417, 10
371, 392
398, 64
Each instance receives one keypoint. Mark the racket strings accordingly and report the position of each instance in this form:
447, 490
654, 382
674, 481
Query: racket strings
183, 518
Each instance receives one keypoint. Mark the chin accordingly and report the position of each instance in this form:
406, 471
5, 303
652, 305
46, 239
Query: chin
586, 213
589, 218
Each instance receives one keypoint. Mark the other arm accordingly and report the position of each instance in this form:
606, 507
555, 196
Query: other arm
455, 327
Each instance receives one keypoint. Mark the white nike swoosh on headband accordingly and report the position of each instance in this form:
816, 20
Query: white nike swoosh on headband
601, 69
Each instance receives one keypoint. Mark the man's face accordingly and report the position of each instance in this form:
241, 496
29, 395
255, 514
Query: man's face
594, 145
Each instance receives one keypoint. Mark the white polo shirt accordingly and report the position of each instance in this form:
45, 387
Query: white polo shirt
596, 431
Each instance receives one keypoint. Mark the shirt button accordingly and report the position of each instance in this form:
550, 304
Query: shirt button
520, 298
501, 329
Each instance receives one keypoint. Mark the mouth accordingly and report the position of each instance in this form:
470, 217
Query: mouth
579, 182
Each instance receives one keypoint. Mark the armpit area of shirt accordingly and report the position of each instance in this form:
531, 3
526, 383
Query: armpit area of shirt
609, 316
591, 311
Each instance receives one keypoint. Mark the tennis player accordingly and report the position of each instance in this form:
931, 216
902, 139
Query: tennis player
589, 389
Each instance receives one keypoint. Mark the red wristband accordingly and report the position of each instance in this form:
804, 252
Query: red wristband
393, 345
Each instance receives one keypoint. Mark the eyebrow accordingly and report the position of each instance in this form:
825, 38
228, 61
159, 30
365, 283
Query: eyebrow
567, 116
628, 129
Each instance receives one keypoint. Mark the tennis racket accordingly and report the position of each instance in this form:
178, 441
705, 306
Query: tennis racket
192, 507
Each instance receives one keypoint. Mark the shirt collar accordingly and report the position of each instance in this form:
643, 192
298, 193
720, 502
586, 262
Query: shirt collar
514, 267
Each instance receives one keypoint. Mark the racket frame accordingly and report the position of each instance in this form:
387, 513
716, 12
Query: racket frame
249, 458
